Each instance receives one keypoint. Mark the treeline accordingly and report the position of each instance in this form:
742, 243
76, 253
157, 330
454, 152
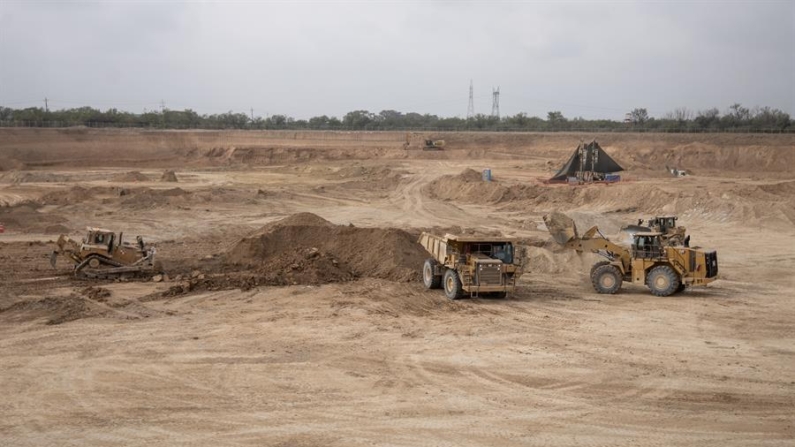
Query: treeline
735, 119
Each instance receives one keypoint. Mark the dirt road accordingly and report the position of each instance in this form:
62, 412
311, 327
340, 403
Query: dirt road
374, 361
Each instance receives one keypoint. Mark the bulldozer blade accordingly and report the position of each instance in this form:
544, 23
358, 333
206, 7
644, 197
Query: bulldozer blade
561, 227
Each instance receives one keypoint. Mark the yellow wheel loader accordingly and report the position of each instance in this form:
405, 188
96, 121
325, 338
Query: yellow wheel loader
665, 269
103, 254
471, 266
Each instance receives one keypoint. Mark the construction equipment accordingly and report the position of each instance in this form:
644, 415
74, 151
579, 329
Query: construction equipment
103, 255
666, 225
665, 269
470, 265
433, 145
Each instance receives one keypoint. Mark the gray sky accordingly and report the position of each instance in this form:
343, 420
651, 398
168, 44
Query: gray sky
589, 59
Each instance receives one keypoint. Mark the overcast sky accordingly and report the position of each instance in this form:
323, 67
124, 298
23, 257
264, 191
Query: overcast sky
589, 59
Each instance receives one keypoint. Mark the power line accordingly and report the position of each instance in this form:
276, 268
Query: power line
471, 107
495, 102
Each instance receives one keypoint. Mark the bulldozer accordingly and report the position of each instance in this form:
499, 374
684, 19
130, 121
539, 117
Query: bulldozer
433, 145
103, 254
470, 266
665, 269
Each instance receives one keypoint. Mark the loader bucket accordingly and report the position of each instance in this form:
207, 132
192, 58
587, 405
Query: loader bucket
561, 227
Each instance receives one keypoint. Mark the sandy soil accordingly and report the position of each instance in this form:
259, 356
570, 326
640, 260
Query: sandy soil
367, 356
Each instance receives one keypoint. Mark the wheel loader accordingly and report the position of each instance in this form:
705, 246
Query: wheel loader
103, 254
665, 269
470, 266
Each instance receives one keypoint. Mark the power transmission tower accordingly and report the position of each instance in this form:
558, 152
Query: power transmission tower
495, 102
471, 108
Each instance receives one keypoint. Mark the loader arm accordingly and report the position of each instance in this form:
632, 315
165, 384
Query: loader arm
564, 231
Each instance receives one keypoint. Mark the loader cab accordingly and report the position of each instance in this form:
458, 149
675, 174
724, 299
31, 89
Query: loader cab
663, 224
647, 245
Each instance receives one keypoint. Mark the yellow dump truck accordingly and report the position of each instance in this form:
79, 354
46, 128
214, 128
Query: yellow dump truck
471, 266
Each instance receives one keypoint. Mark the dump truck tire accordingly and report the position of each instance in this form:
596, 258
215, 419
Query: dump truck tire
606, 278
430, 280
663, 281
452, 285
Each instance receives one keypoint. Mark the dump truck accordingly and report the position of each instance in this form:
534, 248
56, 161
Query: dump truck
103, 254
663, 268
472, 266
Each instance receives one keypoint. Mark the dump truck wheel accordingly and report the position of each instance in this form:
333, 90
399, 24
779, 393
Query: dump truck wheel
431, 281
663, 281
606, 278
452, 285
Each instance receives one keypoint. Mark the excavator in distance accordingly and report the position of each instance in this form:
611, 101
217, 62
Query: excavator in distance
665, 269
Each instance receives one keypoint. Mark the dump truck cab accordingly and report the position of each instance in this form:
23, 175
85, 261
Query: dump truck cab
470, 265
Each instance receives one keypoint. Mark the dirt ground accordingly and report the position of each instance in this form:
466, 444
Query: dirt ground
363, 354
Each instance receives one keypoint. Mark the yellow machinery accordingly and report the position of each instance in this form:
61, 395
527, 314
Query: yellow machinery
102, 254
666, 269
470, 265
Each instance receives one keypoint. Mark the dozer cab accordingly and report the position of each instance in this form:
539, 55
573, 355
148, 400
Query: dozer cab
103, 254
471, 266
433, 145
649, 260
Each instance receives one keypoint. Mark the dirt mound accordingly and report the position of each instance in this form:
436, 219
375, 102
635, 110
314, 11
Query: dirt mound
169, 176
132, 176
142, 198
27, 217
468, 186
57, 310
305, 248
786, 189
77, 194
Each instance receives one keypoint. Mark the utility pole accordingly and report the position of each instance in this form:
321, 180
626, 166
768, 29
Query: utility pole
471, 108
495, 102
46, 105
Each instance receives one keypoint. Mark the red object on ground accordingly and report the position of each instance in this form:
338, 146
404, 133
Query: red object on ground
2, 228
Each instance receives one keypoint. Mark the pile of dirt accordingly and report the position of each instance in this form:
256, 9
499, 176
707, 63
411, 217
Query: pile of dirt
27, 217
132, 176
369, 177
168, 176
468, 186
57, 310
144, 198
77, 194
307, 249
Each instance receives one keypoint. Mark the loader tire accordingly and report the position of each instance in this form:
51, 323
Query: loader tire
452, 285
606, 278
663, 281
597, 265
430, 280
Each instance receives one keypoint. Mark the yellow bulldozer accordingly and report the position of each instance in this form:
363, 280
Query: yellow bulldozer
665, 269
103, 254
470, 265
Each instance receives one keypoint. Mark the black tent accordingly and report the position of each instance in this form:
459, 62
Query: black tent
588, 162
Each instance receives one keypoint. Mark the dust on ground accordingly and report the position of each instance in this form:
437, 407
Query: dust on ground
291, 311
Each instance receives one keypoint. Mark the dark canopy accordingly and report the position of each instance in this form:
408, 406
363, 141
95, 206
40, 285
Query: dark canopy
596, 160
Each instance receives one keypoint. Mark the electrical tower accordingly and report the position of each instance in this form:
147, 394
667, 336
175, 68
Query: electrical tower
495, 102
471, 108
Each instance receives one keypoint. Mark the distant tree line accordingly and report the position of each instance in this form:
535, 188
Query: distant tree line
735, 119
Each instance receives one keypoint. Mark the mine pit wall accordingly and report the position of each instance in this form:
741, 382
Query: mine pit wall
32, 148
